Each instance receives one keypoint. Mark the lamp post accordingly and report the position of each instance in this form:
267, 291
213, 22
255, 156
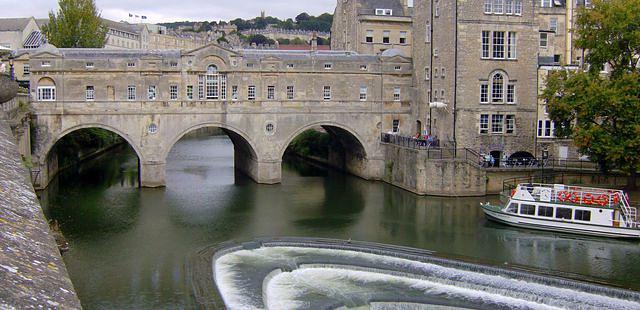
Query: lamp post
11, 72
545, 156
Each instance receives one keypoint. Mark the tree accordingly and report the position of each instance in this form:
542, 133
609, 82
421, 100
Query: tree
76, 24
602, 112
302, 17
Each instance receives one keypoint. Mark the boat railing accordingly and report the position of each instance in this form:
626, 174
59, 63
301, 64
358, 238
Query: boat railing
584, 196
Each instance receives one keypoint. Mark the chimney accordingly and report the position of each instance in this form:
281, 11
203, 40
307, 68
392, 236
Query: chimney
314, 42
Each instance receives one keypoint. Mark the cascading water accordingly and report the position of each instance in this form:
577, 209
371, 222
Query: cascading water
285, 276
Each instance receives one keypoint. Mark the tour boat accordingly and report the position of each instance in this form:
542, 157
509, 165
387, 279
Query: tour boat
568, 209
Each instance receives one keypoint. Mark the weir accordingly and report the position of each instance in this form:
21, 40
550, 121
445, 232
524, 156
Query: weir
320, 273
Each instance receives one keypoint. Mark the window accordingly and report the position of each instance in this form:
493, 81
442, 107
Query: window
527, 209
497, 91
385, 36
384, 12
131, 64
517, 7
26, 70
131, 92
326, 93
508, 7
488, 6
498, 44
403, 37
173, 92
546, 3
290, 66
328, 66
553, 24
563, 213
511, 45
45, 63
201, 87
436, 11
582, 215
173, 64
397, 68
486, 44
436, 72
497, 123
190, 92
484, 123
364, 68
151, 93
213, 84
396, 94
512, 208
510, 124
290, 92
395, 126
234, 92
428, 34
250, 65
89, 65
442, 72
363, 93
546, 129
90, 93
427, 73
545, 211
271, 92
251, 92
369, 37
544, 40
498, 6
484, 93
511, 93
435, 52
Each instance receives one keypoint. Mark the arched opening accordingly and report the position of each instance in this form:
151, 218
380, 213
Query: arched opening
91, 154
213, 152
521, 158
46, 89
331, 145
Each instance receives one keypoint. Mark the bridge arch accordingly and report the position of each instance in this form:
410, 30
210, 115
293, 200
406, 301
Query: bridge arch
239, 138
49, 146
341, 130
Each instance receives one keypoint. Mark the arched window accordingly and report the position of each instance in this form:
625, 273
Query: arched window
46, 90
497, 88
212, 85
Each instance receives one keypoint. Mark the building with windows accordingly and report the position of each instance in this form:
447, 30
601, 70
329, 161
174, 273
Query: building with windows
18, 33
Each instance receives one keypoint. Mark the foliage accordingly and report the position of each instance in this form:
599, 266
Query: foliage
259, 39
602, 112
72, 146
222, 39
610, 31
76, 24
311, 143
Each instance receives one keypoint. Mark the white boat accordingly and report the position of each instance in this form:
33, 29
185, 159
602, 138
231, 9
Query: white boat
568, 209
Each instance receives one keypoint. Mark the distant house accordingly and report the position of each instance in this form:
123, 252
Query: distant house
18, 33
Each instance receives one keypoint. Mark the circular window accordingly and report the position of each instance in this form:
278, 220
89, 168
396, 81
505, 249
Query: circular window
270, 128
153, 128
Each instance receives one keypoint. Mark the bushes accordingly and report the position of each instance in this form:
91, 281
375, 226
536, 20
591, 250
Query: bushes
311, 143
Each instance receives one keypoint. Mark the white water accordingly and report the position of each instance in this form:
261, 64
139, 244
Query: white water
301, 287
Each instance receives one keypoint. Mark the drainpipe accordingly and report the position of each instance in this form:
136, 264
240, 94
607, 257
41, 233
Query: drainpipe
455, 85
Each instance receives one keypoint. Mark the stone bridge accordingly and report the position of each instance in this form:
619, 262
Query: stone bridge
260, 132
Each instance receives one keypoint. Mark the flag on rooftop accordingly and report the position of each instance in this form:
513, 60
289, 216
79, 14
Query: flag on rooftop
144, 17
130, 15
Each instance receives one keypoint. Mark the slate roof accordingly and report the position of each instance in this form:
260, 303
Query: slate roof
13, 24
368, 7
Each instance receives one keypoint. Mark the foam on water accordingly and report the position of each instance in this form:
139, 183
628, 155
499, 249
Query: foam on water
347, 278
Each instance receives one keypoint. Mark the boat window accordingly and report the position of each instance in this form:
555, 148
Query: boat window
545, 211
583, 215
563, 213
527, 209
513, 208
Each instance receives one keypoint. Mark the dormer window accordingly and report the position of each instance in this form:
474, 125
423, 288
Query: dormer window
45, 63
131, 64
328, 66
90, 65
387, 12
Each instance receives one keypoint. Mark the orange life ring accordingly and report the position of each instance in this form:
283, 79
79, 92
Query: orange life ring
564, 196
575, 198
602, 200
587, 199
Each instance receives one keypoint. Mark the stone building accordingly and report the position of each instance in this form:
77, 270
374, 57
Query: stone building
372, 26
17, 33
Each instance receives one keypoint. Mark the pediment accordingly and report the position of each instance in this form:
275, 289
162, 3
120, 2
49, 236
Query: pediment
271, 58
212, 49
398, 58
46, 54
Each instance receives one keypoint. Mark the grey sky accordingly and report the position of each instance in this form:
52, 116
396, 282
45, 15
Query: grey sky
177, 10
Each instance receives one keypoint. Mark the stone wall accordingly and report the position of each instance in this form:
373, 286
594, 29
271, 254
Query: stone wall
33, 273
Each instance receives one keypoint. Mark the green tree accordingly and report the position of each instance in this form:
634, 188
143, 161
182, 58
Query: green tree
602, 112
76, 24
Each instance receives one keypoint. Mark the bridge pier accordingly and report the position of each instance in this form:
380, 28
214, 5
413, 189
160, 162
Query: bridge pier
262, 172
153, 174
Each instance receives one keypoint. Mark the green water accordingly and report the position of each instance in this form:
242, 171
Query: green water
129, 245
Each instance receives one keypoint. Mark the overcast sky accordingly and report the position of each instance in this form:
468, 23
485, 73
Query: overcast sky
176, 10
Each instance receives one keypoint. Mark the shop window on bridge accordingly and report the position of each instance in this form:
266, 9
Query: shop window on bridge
212, 85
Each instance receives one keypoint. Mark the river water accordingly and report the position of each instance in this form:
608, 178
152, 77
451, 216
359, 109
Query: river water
129, 245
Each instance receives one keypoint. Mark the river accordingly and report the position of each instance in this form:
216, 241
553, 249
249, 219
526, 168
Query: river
128, 246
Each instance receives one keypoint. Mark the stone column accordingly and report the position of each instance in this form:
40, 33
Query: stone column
153, 174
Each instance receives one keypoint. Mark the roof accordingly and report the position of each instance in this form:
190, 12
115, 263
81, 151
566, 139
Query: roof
302, 47
122, 26
368, 7
14, 24
42, 22
100, 53
34, 40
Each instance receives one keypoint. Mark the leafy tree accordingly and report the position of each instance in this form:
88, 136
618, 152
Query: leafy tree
76, 24
602, 112
302, 17
260, 39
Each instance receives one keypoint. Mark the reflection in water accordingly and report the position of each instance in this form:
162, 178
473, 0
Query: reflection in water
129, 245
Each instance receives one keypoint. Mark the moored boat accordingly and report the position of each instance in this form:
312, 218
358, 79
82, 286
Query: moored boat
568, 209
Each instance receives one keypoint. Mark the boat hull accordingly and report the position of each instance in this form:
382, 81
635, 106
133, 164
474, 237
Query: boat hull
559, 226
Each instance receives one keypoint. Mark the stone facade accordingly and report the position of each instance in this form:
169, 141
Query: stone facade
261, 98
